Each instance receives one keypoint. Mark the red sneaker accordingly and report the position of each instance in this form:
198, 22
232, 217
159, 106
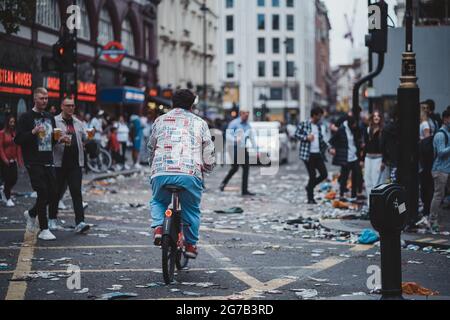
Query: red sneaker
157, 236
191, 251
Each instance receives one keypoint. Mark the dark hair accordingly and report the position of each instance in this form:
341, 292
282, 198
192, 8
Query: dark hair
8, 119
446, 114
431, 104
316, 111
183, 99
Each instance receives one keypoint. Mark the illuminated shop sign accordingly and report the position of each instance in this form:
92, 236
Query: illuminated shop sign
87, 91
15, 82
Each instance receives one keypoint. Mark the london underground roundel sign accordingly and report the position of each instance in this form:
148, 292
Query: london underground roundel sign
114, 52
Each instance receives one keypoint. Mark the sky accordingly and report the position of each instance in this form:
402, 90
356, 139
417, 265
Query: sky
341, 49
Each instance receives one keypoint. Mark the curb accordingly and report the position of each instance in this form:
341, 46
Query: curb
112, 175
422, 240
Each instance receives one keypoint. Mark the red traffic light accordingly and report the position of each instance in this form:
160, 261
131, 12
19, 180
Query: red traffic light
61, 51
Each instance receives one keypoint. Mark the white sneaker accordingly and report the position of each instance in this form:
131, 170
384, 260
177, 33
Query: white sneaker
126, 167
85, 205
10, 203
46, 235
424, 223
61, 205
137, 166
31, 222
82, 228
53, 225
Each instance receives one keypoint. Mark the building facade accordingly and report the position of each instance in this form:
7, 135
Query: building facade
323, 69
426, 12
131, 23
181, 47
267, 57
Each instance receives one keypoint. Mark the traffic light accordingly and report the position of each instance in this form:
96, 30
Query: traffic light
64, 53
377, 39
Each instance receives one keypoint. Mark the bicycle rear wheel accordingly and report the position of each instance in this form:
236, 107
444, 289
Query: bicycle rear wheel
169, 256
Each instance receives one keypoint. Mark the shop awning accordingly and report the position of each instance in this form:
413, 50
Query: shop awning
125, 95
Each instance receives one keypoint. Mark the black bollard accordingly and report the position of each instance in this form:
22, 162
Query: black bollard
388, 216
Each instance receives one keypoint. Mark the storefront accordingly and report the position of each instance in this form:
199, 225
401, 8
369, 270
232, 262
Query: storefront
15, 92
122, 101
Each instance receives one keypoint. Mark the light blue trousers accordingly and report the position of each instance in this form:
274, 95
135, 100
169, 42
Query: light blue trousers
190, 203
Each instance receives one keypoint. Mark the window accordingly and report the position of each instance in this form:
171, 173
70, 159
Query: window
290, 3
261, 3
276, 94
290, 22
261, 69
47, 14
276, 45
127, 37
276, 22
105, 29
230, 46
261, 45
85, 31
230, 23
275, 3
290, 69
289, 45
261, 22
229, 4
230, 70
276, 69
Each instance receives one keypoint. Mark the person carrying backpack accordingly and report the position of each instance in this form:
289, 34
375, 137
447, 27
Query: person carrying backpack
441, 170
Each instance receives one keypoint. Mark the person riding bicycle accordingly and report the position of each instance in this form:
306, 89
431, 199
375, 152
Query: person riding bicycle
180, 151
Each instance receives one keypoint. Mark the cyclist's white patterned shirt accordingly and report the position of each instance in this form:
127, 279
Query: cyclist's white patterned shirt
181, 144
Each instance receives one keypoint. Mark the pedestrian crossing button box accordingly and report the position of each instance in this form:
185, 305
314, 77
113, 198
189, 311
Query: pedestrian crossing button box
388, 209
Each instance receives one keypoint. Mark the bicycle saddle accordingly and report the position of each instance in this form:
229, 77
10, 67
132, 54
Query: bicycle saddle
173, 188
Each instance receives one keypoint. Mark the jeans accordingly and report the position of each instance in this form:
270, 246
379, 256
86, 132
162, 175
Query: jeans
71, 177
314, 164
190, 200
440, 182
373, 176
43, 181
355, 169
9, 175
426, 190
240, 157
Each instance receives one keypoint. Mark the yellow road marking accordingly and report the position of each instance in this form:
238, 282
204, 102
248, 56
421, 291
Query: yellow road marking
360, 248
439, 241
11, 230
17, 290
424, 240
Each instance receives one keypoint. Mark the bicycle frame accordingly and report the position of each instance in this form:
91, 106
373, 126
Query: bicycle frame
172, 220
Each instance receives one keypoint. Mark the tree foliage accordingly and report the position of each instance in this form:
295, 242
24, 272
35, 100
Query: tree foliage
15, 12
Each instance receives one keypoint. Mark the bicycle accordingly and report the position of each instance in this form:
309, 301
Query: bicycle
99, 160
172, 244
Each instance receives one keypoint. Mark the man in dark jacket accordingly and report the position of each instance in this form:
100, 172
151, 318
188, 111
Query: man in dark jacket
346, 151
35, 136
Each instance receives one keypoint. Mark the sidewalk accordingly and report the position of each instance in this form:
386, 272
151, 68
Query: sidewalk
357, 226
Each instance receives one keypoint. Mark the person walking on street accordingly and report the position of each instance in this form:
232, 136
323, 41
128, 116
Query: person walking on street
34, 135
441, 171
136, 138
238, 133
69, 161
374, 173
346, 148
390, 146
428, 129
312, 150
180, 151
123, 135
11, 158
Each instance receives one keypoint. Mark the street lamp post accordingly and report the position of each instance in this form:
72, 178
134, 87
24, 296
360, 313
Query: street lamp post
205, 9
409, 120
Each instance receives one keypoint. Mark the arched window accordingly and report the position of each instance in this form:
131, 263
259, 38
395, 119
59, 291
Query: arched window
105, 28
47, 14
127, 37
85, 31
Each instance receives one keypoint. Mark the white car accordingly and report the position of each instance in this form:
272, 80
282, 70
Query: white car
272, 142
